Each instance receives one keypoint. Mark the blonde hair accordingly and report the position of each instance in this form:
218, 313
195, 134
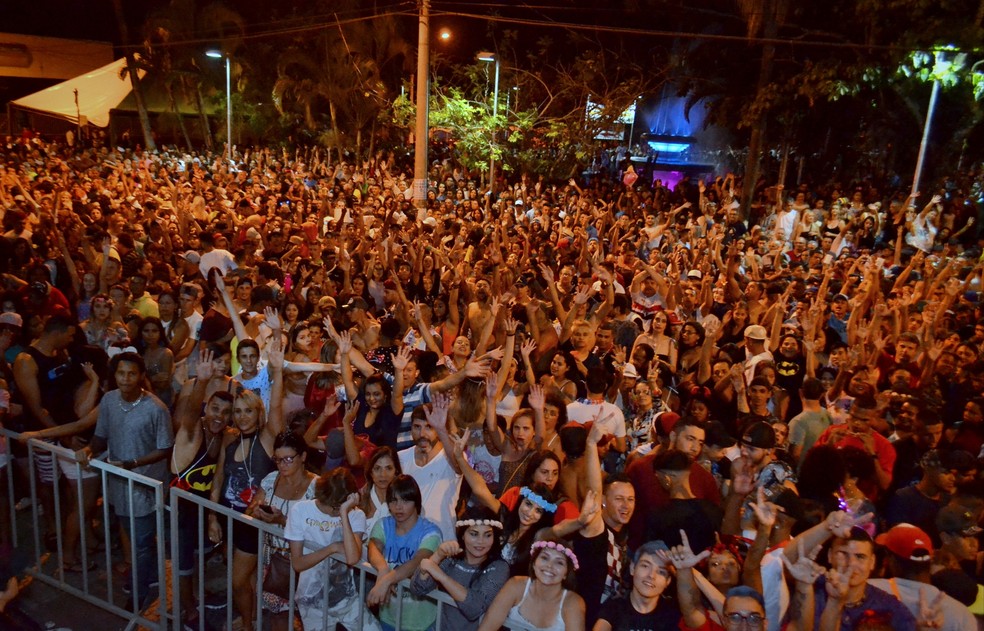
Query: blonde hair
254, 401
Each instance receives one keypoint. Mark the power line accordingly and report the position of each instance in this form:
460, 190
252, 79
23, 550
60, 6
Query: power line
271, 33
681, 34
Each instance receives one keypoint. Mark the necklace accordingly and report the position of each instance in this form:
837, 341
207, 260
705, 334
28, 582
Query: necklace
133, 405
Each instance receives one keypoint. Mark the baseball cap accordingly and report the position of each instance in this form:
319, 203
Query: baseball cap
192, 257
695, 273
957, 519
664, 422
628, 372
356, 302
756, 332
11, 319
389, 284
908, 542
759, 435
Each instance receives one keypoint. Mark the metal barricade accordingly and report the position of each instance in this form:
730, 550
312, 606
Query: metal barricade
106, 592
201, 506
49, 558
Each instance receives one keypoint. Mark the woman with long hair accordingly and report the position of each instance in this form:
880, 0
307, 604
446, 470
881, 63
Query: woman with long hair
245, 459
469, 569
100, 329
158, 358
562, 376
290, 482
545, 599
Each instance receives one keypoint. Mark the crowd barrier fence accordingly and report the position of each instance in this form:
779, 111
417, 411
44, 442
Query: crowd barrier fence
48, 561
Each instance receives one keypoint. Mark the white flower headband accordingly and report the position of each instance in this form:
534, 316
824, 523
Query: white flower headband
465, 523
559, 547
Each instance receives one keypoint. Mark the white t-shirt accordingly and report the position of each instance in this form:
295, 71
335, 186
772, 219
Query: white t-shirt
222, 259
439, 485
306, 522
611, 417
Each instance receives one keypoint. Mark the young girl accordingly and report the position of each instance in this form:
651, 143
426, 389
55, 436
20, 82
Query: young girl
158, 358
524, 439
468, 569
544, 600
333, 521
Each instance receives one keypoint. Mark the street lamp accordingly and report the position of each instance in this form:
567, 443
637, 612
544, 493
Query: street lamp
218, 54
488, 57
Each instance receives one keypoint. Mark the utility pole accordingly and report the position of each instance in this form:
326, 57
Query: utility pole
421, 130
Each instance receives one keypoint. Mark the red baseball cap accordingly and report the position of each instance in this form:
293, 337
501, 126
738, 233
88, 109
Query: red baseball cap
907, 541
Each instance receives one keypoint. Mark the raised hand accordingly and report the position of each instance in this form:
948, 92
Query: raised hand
330, 328
806, 569
537, 398
477, 367
840, 523
547, 273
496, 353
351, 411
90, 372
206, 370
491, 386
437, 415
344, 342
272, 318
449, 549
582, 295
402, 358
682, 556
765, 512
589, 508
511, 325
527, 348
331, 406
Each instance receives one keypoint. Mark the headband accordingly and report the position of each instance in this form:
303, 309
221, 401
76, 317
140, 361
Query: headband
538, 500
464, 523
559, 547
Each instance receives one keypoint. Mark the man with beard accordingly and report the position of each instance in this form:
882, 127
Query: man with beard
197, 441
429, 464
687, 436
757, 468
643, 609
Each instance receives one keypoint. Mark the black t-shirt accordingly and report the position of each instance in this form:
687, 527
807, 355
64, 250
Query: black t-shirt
699, 518
593, 558
622, 616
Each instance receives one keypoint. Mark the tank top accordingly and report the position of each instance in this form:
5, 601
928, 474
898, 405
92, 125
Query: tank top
516, 620
54, 384
242, 479
198, 476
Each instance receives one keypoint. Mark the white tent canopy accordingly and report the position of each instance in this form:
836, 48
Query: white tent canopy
99, 91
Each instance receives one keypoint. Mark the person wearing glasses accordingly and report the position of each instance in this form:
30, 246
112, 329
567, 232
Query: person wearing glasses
744, 607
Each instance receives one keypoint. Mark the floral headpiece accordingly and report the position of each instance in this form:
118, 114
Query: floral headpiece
540, 501
465, 523
559, 547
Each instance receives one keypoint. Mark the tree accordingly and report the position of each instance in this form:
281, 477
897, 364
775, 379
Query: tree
131, 68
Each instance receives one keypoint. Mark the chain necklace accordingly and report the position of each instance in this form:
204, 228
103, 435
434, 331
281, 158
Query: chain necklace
133, 405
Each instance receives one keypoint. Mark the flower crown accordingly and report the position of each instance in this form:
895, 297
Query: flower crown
540, 501
559, 547
465, 523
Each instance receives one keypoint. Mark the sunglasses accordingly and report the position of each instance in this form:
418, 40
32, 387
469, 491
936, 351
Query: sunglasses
284, 460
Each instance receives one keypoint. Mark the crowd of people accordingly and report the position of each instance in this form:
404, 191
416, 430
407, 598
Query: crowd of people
606, 404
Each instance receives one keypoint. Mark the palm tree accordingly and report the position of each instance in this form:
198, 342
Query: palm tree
131, 67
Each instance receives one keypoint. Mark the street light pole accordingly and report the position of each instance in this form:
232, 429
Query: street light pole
490, 57
421, 130
925, 137
218, 54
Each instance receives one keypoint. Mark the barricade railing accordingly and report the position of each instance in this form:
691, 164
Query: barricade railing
49, 549
202, 506
49, 553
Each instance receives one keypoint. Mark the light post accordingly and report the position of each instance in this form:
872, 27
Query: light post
218, 54
421, 131
488, 57
943, 66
